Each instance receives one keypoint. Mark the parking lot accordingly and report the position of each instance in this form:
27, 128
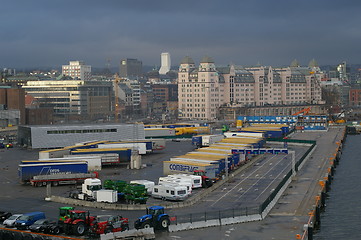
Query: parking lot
249, 188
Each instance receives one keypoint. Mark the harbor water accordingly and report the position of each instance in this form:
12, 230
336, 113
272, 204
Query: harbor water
342, 216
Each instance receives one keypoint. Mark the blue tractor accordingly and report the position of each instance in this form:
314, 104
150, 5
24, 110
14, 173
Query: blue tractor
155, 218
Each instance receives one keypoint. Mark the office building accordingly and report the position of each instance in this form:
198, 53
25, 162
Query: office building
131, 68
73, 99
77, 70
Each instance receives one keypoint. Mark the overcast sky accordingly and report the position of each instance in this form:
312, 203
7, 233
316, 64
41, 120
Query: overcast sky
38, 33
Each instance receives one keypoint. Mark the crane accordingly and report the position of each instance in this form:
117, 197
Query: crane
304, 111
117, 79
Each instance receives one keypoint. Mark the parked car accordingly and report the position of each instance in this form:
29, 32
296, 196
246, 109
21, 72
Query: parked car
28, 219
43, 225
10, 222
4, 216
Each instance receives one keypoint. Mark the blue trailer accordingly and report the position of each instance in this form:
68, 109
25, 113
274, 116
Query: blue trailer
28, 171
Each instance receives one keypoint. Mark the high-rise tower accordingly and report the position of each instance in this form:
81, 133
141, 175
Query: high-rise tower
165, 63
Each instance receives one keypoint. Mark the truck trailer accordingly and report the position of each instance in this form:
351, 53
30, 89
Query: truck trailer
188, 167
140, 147
28, 171
94, 162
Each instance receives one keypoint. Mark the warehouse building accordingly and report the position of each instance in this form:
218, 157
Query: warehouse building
56, 136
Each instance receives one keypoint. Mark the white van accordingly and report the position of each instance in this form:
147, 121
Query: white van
170, 191
195, 180
148, 184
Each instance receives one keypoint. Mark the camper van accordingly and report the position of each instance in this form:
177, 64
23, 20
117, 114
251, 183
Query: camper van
195, 180
180, 181
170, 191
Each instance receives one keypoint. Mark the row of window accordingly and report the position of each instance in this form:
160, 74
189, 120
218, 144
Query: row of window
81, 131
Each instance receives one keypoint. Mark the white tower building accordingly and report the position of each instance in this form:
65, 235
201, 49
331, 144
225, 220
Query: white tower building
165, 63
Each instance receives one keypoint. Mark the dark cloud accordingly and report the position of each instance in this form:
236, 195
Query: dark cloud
50, 33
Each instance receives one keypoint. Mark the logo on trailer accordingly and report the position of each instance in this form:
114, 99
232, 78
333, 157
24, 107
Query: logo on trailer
182, 168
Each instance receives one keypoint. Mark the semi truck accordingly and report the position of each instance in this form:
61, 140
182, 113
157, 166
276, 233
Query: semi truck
61, 179
88, 190
50, 171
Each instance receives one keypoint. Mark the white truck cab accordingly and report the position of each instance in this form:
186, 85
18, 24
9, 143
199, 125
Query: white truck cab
89, 187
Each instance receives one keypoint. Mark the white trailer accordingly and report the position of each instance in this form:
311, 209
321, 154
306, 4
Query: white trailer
180, 181
53, 153
106, 158
208, 140
148, 184
140, 147
103, 195
170, 191
94, 162
244, 134
194, 179
159, 132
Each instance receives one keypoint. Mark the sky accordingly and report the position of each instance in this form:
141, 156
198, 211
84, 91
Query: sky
50, 33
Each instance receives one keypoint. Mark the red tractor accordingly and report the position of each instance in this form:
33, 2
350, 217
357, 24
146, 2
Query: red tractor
107, 224
78, 222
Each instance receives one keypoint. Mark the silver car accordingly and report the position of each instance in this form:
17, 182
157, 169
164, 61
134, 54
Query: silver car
10, 222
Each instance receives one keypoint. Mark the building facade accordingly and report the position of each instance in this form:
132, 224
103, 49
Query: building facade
131, 68
73, 99
204, 89
77, 70
12, 106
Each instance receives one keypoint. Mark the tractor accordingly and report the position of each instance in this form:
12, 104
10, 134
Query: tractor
155, 218
107, 224
78, 222
64, 214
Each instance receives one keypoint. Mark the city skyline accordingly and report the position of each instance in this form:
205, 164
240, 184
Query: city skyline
46, 34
